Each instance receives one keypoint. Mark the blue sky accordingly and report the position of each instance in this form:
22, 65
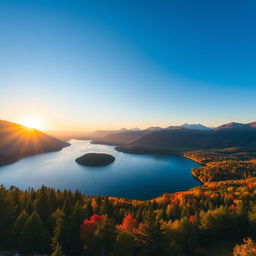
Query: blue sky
83, 65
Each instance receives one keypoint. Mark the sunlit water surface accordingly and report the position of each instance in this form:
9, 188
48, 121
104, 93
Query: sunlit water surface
130, 176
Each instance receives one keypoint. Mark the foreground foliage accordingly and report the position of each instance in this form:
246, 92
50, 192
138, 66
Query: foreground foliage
49, 221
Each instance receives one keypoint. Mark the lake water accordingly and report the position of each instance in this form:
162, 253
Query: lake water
130, 176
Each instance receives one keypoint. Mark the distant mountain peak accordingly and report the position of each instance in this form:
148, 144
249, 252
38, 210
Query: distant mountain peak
195, 126
135, 129
233, 125
172, 127
154, 128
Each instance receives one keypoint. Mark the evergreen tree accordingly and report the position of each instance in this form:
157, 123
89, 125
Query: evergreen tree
88, 209
7, 216
33, 237
43, 204
17, 227
57, 234
125, 244
29, 208
67, 230
105, 236
152, 238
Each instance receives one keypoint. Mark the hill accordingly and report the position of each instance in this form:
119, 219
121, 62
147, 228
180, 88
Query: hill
125, 136
17, 141
181, 139
120, 138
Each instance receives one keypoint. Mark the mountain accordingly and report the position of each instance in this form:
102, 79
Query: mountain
154, 128
173, 127
195, 126
182, 139
98, 134
233, 125
68, 135
120, 138
17, 141
188, 126
135, 129
102, 133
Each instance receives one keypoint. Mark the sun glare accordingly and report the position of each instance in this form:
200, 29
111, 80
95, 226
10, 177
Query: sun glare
32, 122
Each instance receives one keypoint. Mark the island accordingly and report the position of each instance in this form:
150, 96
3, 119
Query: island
95, 159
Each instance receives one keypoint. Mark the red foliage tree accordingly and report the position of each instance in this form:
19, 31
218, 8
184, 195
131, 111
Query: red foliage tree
90, 225
129, 224
192, 218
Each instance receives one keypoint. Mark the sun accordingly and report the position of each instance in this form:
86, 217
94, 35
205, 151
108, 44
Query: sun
33, 122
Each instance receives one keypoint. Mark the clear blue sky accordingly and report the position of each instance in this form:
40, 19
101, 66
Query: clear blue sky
110, 64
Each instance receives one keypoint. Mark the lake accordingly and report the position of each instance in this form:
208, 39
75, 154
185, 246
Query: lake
130, 176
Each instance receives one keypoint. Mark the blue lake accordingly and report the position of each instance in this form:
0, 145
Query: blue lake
130, 176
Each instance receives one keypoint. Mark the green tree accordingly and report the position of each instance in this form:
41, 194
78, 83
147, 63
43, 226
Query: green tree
67, 230
57, 233
105, 236
152, 238
17, 227
43, 204
33, 237
7, 215
88, 209
125, 244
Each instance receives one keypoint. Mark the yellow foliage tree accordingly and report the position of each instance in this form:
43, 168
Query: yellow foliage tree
248, 248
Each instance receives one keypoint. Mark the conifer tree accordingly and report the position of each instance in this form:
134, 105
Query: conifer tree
7, 215
17, 227
88, 209
29, 208
152, 238
33, 236
43, 204
105, 236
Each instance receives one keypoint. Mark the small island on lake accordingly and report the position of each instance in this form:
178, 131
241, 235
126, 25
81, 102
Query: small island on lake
95, 159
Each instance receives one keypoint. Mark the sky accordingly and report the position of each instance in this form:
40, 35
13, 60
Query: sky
85, 65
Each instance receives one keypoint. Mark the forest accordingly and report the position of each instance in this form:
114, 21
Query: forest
53, 222
223, 164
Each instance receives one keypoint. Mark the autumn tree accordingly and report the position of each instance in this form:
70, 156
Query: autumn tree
248, 248
129, 224
88, 228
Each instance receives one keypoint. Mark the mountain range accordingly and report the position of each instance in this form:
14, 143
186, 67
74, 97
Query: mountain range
182, 138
